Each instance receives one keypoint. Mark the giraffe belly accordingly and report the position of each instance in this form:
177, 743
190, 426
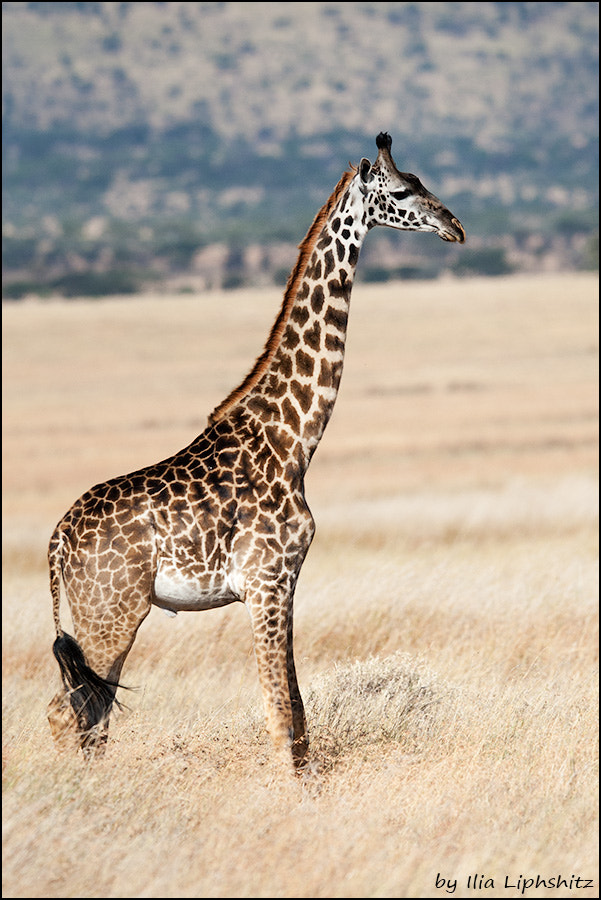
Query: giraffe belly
176, 590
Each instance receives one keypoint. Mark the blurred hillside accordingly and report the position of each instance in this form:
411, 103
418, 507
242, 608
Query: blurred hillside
190, 144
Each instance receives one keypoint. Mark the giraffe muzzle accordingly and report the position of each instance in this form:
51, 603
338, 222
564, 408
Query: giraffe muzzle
457, 235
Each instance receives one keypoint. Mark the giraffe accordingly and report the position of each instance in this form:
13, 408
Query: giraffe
225, 519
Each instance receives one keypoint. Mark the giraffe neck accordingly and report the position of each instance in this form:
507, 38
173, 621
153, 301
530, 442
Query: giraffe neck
293, 387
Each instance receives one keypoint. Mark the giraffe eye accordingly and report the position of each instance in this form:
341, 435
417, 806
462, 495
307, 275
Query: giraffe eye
400, 195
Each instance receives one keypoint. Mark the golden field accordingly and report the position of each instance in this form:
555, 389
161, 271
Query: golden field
446, 616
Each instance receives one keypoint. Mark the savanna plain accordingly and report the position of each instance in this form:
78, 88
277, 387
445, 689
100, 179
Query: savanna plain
446, 615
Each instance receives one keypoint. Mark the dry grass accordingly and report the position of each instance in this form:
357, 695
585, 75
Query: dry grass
446, 615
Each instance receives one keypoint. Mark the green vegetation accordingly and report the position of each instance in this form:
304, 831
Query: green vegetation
488, 261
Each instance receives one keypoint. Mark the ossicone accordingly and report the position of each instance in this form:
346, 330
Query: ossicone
384, 141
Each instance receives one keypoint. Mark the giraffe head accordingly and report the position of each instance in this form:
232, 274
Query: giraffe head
400, 200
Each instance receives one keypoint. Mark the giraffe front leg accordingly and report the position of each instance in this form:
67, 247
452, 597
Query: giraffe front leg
271, 617
300, 743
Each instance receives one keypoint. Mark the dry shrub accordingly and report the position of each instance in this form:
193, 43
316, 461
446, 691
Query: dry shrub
395, 699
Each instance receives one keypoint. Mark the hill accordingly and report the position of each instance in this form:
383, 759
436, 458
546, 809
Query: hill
191, 143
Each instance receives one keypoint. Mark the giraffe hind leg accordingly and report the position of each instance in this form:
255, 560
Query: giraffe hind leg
84, 707
63, 723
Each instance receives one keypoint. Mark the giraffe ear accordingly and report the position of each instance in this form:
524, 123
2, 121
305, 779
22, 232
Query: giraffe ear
365, 170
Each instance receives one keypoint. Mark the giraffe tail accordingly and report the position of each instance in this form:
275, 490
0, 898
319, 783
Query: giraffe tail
91, 696
55, 564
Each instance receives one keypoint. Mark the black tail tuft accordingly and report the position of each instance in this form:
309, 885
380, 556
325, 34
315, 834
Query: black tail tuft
91, 696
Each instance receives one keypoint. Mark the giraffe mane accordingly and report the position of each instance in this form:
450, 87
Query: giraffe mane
306, 248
